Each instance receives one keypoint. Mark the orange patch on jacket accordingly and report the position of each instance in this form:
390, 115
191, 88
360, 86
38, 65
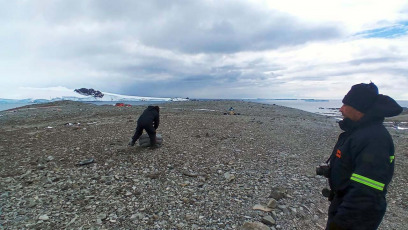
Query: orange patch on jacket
338, 154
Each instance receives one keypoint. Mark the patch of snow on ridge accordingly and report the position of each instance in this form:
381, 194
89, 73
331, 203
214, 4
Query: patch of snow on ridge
49, 93
62, 93
118, 97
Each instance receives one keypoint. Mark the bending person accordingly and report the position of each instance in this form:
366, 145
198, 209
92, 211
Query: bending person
149, 121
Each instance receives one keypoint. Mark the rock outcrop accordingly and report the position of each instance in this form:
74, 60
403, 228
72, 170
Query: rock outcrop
90, 92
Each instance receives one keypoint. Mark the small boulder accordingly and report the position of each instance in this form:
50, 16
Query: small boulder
44, 217
229, 177
261, 208
277, 193
144, 140
272, 203
254, 226
268, 220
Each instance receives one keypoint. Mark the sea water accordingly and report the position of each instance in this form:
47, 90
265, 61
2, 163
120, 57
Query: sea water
323, 107
328, 108
6, 106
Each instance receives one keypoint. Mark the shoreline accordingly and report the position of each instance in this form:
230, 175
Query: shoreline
210, 173
321, 109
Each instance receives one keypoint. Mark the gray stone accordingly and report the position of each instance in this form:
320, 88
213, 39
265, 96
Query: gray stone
31, 203
229, 177
283, 208
8, 180
43, 217
277, 193
272, 203
41, 166
138, 216
254, 226
144, 140
261, 208
101, 216
268, 220
189, 217
5, 195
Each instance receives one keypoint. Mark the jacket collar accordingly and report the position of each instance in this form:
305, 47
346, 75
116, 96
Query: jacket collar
348, 125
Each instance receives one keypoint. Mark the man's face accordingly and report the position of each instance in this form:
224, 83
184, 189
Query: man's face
351, 113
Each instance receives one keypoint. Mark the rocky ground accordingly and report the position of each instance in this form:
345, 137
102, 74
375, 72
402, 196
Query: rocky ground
213, 171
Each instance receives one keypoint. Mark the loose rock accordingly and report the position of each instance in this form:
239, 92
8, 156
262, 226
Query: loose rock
269, 149
254, 226
43, 217
261, 208
268, 220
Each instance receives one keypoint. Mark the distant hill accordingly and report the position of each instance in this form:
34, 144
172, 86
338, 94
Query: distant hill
89, 92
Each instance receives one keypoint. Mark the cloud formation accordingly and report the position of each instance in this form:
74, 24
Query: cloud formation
205, 49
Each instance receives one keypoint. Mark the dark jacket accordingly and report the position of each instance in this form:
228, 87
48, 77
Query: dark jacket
150, 116
361, 167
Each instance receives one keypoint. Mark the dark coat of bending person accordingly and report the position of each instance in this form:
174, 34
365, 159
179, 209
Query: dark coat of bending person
362, 162
149, 121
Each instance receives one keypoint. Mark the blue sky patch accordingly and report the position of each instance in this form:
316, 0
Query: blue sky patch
392, 31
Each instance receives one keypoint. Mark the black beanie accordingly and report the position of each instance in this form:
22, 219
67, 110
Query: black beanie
361, 96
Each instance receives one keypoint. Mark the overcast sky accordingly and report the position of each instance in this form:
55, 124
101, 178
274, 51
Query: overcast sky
205, 48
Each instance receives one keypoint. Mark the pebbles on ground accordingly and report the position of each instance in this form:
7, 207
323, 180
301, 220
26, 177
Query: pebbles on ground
210, 172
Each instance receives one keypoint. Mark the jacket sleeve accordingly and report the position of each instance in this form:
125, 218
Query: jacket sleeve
363, 195
156, 121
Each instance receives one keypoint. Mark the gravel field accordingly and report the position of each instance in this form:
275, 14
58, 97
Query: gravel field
255, 170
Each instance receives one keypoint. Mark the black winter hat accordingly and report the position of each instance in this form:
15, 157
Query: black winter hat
361, 96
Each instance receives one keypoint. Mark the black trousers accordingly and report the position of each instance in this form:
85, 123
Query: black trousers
358, 220
150, 130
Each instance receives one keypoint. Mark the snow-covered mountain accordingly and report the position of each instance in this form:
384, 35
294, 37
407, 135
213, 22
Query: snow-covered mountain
40, 95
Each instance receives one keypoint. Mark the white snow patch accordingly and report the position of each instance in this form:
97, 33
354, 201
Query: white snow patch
205, 110
62, 93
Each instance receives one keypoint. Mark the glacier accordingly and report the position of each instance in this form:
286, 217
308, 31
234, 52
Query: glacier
43, 95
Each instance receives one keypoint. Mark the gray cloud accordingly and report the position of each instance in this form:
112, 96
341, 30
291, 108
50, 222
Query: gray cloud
231, 28
165, 48
375, 60
185, 26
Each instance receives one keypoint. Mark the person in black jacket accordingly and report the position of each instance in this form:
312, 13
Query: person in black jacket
149, 121
362, 162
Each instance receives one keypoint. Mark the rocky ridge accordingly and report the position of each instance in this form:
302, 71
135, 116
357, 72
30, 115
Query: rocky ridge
89, 92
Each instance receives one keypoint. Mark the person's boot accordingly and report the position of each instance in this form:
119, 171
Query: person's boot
153, 142
153, 145
132, 142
